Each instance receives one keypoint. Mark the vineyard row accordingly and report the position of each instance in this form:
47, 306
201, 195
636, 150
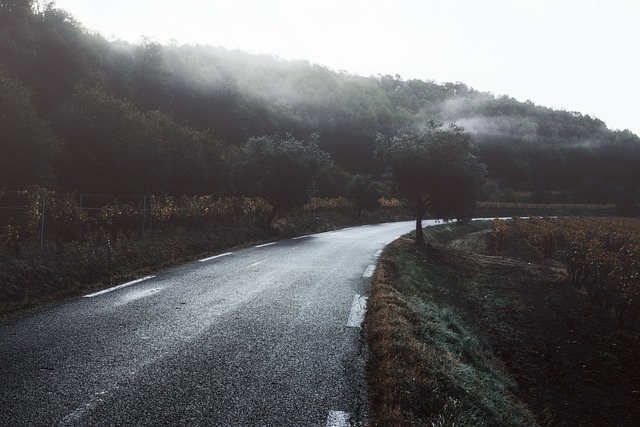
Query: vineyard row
602, 256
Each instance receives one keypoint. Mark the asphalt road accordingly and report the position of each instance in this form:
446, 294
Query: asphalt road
266, 336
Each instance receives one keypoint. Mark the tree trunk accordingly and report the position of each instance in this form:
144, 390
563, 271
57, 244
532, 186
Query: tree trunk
272, 216
421, 207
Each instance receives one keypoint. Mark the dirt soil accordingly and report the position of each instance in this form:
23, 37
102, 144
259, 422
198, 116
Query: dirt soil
572, 364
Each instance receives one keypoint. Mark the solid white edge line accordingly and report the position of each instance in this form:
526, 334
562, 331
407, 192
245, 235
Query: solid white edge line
217, 256
124, 285
358, 309
391, 241
369, 271
337, 419
301, 237
378, 253
265, 245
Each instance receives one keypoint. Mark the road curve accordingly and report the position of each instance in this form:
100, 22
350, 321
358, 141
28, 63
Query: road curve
264, 336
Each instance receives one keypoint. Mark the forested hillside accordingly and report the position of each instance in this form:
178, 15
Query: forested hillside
80, 113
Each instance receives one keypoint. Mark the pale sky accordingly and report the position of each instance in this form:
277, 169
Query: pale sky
579, 55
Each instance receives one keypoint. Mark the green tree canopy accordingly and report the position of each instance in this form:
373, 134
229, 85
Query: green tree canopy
282, 170
435, 168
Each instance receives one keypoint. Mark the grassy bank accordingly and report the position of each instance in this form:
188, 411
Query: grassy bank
459, 334
427, 367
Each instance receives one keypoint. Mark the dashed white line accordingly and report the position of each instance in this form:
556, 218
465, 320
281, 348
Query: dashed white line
358, 308
369, 271
217, 256
124, 285
337, 419
378, 253
256, 263
301, 237
265, 245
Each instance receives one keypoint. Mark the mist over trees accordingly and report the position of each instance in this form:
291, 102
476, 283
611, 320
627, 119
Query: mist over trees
82, 113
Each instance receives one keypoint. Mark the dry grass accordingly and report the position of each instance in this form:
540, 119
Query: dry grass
426, 367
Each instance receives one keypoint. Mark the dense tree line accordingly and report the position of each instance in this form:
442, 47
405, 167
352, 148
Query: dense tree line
83, 113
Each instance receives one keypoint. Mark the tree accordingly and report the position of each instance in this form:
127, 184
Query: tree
28, 147
104, 138
435, 168
282, 170
17, 7
152, 78
190, 161
113, 147
364, 193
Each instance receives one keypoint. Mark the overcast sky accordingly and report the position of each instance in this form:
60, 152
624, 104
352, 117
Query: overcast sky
580, 55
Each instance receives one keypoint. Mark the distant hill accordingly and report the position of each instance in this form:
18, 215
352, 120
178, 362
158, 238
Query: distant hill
167, 119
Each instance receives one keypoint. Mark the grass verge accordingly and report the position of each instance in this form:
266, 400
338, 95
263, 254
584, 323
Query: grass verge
427, 367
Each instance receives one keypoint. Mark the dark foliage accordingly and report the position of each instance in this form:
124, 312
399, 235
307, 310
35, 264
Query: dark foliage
282, 170
435, 168
147, 117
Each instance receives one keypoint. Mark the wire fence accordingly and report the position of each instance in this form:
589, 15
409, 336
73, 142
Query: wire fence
37, 218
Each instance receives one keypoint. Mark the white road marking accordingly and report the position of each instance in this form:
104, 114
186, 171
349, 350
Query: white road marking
358, 308
377, 255
301, 237
134, 295
217, 256
337, 419
256, 263
393, 240
369, 271
124, 285
266, 244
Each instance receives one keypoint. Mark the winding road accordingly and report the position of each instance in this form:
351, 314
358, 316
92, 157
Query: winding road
265, 336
